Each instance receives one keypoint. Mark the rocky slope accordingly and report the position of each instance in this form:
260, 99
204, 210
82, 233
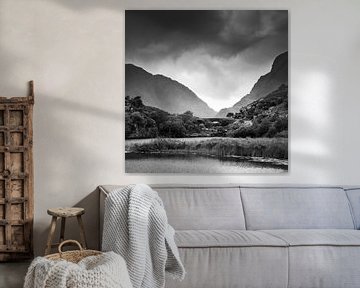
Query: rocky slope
265, 85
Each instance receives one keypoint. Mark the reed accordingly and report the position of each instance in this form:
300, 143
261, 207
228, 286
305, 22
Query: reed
220, 147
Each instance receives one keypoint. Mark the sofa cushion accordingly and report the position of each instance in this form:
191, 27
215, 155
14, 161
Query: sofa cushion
317, 237
327, 258
324, 266
226, 238
191, 208
199, 207
220, 267
354, 198
296, 208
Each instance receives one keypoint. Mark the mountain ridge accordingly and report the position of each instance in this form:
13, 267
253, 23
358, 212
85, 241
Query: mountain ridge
266, 83
163, 92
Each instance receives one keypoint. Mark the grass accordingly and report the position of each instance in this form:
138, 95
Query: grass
221, 147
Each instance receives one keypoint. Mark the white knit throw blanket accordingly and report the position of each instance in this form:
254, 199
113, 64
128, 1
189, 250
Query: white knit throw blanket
136, 227
103, 271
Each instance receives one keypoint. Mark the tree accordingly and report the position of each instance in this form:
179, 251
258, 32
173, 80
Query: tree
262, 128
189, 113
159, 116
173, 127
128, 126
281, 124
137, 102
242, 132
138, 120
271, 132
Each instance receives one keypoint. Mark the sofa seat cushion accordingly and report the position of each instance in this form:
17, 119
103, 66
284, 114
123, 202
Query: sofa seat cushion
323, 258
317, 237
235, 267
225, 238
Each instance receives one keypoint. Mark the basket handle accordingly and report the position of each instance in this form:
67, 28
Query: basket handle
69, 241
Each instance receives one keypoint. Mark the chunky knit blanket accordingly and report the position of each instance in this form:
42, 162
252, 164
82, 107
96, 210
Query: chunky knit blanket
136, 227
103, 271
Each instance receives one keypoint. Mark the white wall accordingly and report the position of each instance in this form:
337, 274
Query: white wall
74, 51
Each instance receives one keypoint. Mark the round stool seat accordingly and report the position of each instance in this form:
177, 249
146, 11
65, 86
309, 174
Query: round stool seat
66, 211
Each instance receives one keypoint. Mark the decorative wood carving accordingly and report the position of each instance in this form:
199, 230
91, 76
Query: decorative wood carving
16, 177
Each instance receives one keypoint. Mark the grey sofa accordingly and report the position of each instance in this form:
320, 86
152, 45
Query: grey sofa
243, 236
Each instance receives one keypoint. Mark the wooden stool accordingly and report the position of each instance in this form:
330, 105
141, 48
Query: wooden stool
64, 213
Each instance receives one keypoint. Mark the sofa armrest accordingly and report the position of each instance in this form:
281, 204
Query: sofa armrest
102, 197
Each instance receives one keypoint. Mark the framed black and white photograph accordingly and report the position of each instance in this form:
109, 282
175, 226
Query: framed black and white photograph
206, 91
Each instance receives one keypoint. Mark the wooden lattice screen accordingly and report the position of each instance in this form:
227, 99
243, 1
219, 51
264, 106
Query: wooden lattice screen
16, 177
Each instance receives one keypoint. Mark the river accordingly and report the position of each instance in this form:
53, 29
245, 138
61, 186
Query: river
195, 164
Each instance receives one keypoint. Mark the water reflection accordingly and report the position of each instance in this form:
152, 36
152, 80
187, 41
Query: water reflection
189, 163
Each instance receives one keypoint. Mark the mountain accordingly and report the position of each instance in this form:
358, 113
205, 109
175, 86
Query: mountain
265, 117
266, 84
274, 105
164, 93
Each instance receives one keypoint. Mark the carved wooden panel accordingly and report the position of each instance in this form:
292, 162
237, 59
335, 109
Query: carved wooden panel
16, 177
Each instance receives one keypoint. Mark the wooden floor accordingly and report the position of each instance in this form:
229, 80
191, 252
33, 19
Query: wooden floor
12, 274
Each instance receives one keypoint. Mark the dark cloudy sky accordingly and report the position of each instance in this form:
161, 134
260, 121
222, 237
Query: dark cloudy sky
217, 54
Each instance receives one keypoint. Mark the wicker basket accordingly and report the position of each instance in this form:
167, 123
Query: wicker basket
72, 256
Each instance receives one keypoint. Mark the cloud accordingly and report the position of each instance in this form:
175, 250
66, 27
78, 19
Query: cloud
219, 54
158, 33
